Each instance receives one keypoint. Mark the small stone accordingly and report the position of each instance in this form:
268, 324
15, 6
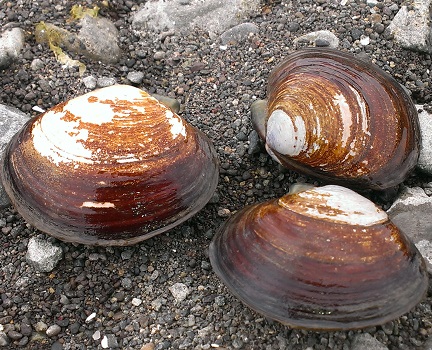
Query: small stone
109, 341
135, 77
106, 81
14, 335
179, 291
90, 82
53, 330
224, 212
126, 254
148, 346
40, 327
64, 300
90, 317
159, 55
319, 35
136, 302
56, 346
4, 340
126, 283
37, 64
43, 255
96, 335
74, 327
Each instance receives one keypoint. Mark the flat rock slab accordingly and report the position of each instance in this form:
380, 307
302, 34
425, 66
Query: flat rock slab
214, 16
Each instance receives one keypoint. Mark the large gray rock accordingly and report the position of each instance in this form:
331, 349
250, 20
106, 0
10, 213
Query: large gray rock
411, 212
11, 120
425, 158
214, 16
11, 44
412, 27
43, 255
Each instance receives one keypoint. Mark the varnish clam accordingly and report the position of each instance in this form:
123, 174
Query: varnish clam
324, 258
111, 167
341, 119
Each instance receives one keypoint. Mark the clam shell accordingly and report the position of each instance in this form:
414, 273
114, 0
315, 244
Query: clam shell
324, 258
336, 117
111, 167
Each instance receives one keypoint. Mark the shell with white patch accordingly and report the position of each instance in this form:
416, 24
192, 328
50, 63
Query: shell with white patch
322, 258
339, 118
111, 167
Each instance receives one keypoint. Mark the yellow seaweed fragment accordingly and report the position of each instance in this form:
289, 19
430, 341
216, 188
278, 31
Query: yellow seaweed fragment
78, 11
46, 33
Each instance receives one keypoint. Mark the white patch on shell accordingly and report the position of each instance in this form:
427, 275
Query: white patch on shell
60, 140
177, 126
285, 135
90, 204
346, 117
340, 205
98, 112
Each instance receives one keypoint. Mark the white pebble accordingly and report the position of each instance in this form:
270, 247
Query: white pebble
53, 330
179, 291
90, 317
136, 302
96, 335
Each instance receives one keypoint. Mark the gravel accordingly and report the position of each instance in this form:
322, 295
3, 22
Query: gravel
162, 293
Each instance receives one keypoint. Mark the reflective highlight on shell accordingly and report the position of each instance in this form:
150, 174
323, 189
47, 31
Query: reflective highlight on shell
111, 167
324, 258
333, 116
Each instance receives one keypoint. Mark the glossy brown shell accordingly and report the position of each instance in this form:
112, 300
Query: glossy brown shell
307, 262
336, 117
112, 167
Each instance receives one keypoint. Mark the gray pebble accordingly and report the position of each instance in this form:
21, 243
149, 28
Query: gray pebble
126, 283
90, 82
135, 77
4, 340
43, 255
179, 291
106, 81
53, 330
14, 335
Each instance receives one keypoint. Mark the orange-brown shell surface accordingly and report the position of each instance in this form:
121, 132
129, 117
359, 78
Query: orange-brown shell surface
324, 259
336, 117
111, 167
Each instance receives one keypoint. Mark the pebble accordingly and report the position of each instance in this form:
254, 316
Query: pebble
43, 255
105, 81
136, 302
179, 291
90, 82
53, 330
135, 77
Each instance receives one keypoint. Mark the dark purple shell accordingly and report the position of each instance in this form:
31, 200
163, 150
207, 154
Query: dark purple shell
112, 167
323, 259
336, 117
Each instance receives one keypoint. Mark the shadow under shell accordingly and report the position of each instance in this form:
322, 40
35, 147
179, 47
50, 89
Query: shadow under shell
315, 274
